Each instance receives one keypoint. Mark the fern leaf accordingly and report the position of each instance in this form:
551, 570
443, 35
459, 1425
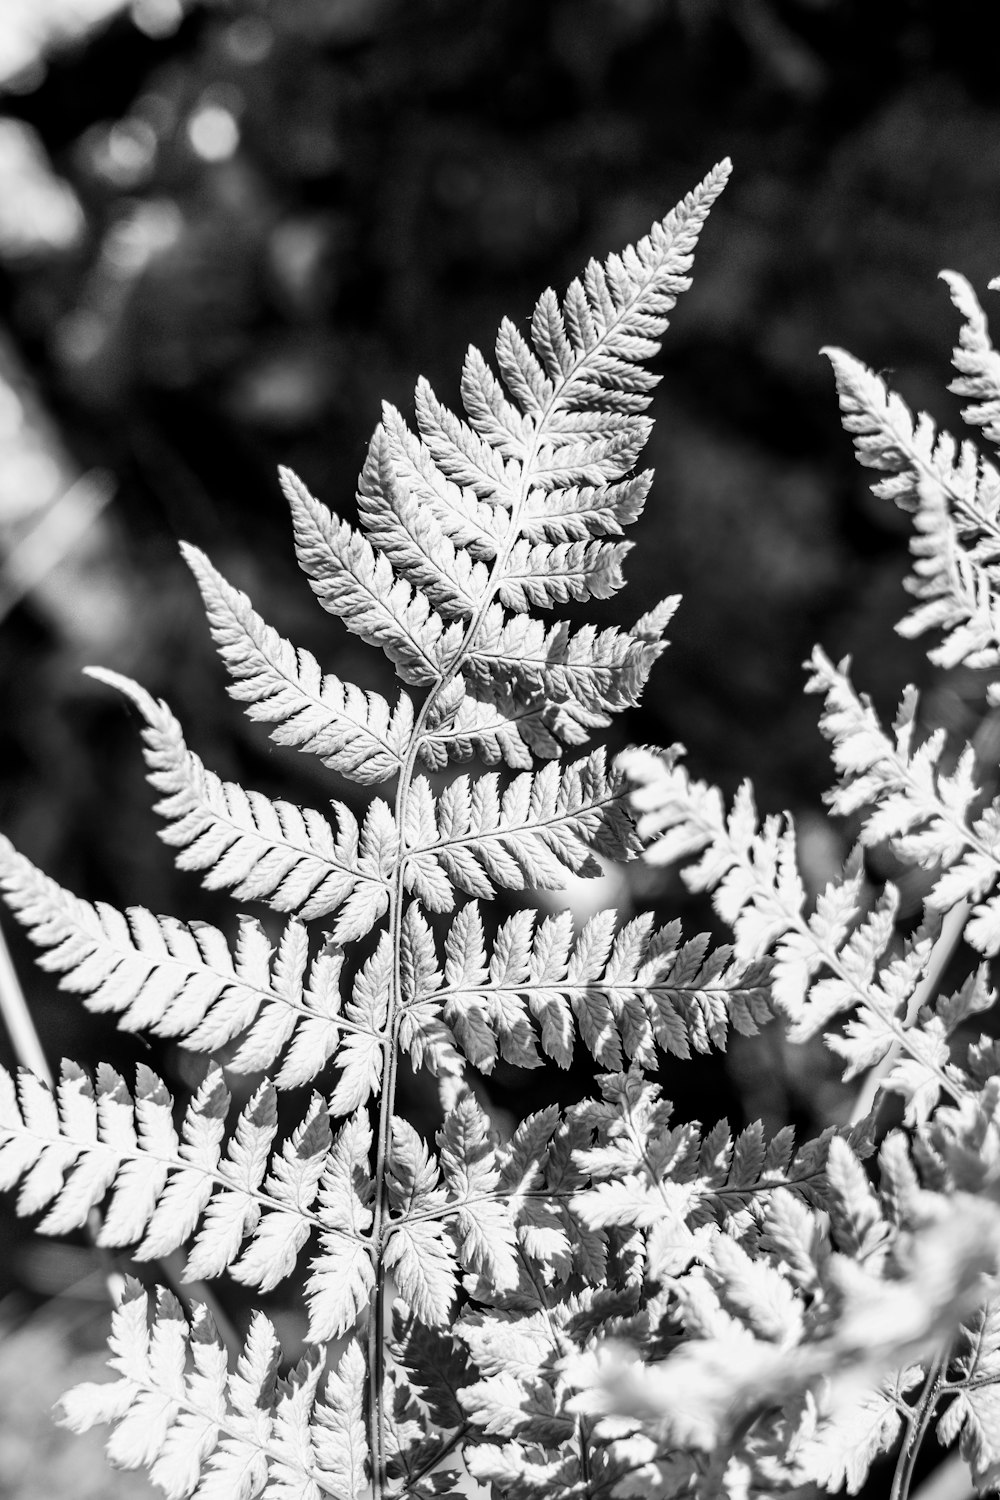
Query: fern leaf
759, 893
922, 809
436, 1367
582, 511
955, 581
351, 580
183, 981
353, 732
342, 1273
507, 722
180, 1414
265, 850
362, 1054
622, 990
847, 1443
604, 671
539, 827
974, 1386
542, 574
410, 536
485, 1230
289, 1193
164, 1190
975, 359
886, 438
418, 1249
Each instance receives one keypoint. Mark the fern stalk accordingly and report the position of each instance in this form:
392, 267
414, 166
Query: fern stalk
376, 1338
917, 1426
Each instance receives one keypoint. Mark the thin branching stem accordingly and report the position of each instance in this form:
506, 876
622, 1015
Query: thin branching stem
920, 1420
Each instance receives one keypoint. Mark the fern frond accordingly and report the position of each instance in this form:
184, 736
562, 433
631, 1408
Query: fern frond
911, 453
411, 537
540, 826
72, 1151
622, 990
925, 812
602, 671
955, 495
182, 980
499, 1258
179, 1412
287, 855
353, 732
975, 359
825, 964
506, 722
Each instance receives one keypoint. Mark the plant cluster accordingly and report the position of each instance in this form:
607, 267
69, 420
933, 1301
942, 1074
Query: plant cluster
611, 1301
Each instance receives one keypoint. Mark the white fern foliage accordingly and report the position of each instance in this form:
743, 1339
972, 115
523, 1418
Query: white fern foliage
614, 1300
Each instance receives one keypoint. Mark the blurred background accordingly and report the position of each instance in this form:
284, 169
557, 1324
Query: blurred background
228, 228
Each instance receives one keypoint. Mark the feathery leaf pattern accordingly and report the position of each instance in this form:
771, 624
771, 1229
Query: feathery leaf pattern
610, 1300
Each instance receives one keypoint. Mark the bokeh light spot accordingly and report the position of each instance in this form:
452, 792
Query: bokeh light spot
213, 133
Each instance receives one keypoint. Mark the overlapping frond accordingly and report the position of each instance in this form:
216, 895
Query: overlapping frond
800, 1347
954, 492
837, 960
202, 1428
677, 1182
906, 795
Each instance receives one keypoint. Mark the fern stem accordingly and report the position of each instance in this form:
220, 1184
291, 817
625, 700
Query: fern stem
387, 1098
440, 1454
376, 1346
920, 1420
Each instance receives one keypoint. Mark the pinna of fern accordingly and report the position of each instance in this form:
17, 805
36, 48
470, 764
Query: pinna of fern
469, 528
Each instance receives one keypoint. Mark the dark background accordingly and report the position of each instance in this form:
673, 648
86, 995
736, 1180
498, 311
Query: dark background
228, 230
